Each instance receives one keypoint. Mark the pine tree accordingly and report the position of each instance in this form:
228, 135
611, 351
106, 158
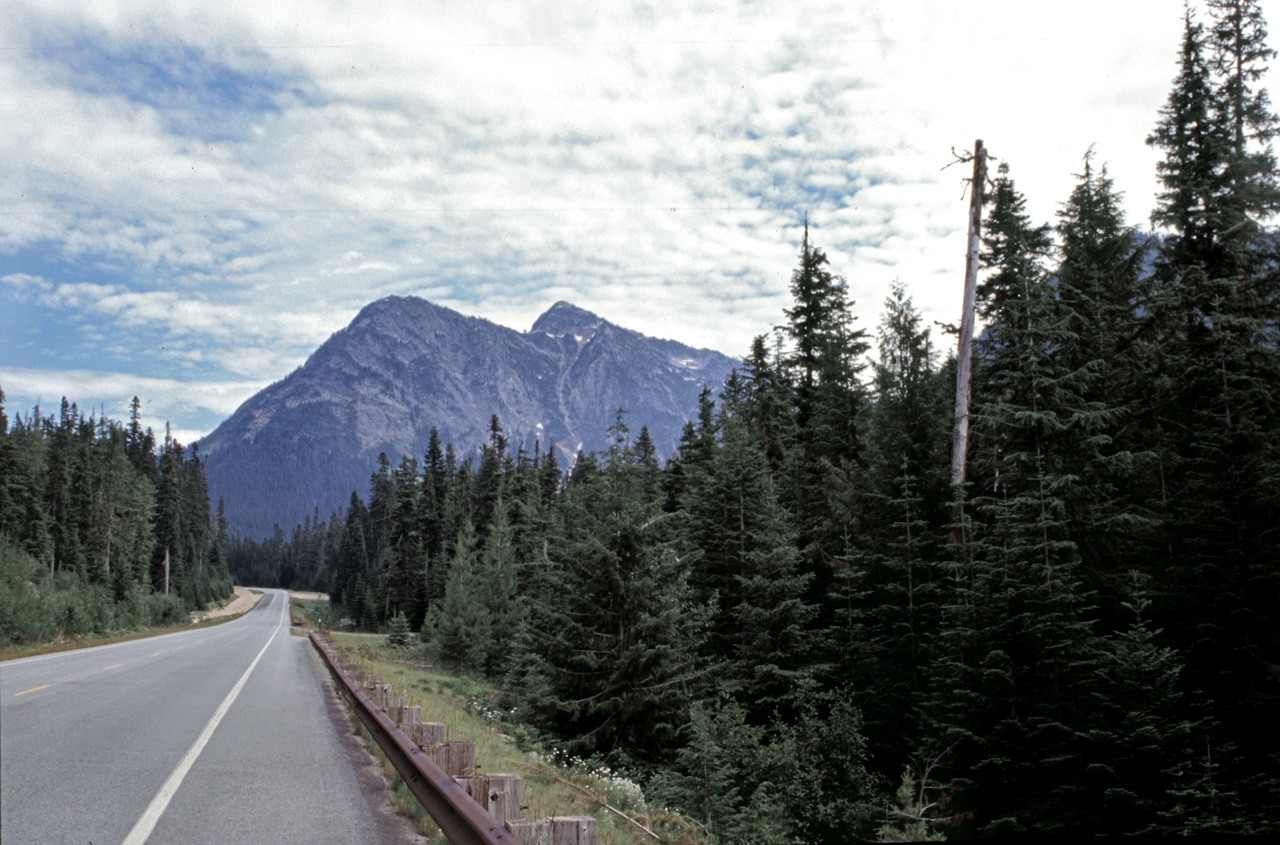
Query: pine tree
1214, 324
1138, 737
405, 541
1016, 640
1239, 57
767, 403
166, 564
498, 573
398, 636
352, 564
749, 570
909, 821
460, 627
616, 645
823, 465
726, 776
1100, 289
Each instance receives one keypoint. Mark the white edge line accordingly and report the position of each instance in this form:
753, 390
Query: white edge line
150, 816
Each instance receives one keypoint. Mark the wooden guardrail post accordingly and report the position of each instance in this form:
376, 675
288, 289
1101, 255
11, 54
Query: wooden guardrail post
531, 831
429, 733
499, 794
503, 796
458, 758
573, 830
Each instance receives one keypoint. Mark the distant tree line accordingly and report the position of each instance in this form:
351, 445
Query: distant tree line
1084, 637
98, 530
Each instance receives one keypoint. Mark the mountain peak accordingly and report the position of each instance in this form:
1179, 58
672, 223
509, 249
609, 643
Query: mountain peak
565, 318
405, 368
400, 308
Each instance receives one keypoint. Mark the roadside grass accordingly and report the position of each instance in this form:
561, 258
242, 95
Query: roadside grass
467, 708
306, 614
91, 640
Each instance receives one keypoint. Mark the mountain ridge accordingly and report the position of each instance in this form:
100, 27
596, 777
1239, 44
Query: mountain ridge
405, 364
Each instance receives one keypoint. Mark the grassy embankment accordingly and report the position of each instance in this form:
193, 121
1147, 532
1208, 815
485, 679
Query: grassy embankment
465, 707
107, 638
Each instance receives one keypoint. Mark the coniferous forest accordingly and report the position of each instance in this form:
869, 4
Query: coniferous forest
100, 532
797, 616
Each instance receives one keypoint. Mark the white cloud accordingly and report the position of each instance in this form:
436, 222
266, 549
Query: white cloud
651, 162
24, 286
97, 392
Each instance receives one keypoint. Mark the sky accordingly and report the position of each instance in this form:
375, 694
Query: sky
194, 195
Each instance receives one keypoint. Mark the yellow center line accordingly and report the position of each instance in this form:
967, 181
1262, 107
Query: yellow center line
158, 652
33, 689
114, 666
181, 646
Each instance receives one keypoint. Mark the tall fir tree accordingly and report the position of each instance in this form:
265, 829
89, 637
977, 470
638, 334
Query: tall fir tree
1100, 292
885, 590
1214, 318
615, 649
460, 628
1018, 638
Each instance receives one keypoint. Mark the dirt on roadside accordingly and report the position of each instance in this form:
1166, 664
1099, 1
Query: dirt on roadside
243, 601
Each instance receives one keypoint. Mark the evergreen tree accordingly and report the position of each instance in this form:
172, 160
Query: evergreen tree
767, 403
405, 553
838, 805
1238, 57
352, 565
815, 321
22, 515
1099, 288
823, 466
727, 776
909, 821
617, 646
752, 566
460, 627
398, 636
1138, 738
497, 572
1017, 639
885, 590
1218, 367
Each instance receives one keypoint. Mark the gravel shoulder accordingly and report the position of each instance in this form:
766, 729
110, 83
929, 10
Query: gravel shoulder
244, 600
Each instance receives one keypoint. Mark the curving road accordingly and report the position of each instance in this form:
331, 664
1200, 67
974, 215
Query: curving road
226, 734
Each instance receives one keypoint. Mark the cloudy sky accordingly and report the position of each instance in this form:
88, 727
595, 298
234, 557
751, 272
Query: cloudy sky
195, 194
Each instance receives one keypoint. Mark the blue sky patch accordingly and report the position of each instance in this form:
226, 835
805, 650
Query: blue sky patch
196, 93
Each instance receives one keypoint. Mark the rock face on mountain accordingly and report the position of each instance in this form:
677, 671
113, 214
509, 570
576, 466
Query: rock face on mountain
405, 365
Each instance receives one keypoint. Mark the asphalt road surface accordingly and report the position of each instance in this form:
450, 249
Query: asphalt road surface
229, 734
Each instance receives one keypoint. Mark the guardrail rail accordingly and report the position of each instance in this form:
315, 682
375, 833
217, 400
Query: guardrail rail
468, 807
459, 817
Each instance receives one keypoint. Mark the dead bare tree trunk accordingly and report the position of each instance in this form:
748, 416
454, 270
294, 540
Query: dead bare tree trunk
964, 352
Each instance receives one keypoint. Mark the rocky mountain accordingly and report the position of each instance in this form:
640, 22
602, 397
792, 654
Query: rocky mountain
404, 365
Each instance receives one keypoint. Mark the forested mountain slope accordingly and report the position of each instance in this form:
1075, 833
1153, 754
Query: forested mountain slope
405, 365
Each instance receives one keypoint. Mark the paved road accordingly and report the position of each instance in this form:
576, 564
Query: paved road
229, 734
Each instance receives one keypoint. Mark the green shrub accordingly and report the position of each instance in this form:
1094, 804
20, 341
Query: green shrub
166, 609
399, 633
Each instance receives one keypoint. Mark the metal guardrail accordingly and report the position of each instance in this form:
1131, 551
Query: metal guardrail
460, 819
